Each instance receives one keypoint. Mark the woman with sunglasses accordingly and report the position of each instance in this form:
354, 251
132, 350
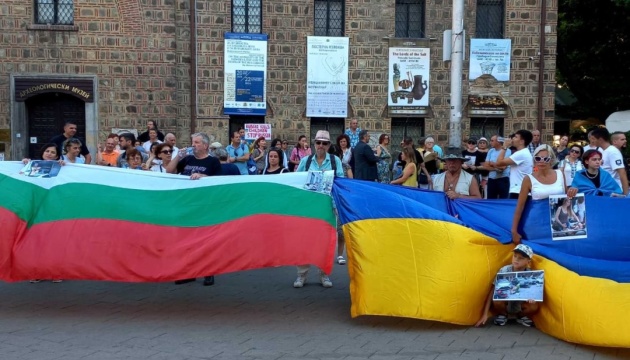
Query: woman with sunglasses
592, 181
160, 158
541, 184
571, 164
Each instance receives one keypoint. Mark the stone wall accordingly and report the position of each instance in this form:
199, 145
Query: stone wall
140, 51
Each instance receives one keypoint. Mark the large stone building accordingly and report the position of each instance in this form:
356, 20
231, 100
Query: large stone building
118, 63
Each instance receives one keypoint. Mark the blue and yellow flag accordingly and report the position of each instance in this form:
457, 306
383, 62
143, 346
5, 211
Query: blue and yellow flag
414, 253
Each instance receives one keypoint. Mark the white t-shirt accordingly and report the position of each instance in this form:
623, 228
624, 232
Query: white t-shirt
524, 164
589, 147
147, 145
611, 161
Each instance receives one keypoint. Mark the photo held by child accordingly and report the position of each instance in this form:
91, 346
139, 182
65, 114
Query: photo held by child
521, 261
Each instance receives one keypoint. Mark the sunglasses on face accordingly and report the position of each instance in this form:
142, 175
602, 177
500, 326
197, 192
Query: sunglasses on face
166, 152
575, 151
542, 159
325, 143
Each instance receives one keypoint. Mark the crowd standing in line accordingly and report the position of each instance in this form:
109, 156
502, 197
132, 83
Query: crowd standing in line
518, 167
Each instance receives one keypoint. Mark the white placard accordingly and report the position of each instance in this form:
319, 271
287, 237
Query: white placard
254, 131
327, 77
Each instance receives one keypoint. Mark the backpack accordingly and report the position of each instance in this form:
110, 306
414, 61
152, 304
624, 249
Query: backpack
333, 163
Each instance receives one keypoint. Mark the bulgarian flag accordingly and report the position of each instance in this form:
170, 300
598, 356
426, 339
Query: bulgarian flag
100, 223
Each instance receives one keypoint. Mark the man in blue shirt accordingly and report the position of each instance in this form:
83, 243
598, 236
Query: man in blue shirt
320, 161
238, 153
353, 133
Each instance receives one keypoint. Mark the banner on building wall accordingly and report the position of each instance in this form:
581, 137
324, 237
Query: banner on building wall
408, 78
245, 74
327, 76
489, 77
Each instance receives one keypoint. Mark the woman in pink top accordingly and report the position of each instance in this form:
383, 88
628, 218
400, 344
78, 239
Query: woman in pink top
300, 151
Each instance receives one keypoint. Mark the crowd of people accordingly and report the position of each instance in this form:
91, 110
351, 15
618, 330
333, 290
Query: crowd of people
519, 167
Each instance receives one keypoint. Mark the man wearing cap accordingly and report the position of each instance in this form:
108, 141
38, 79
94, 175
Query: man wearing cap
454, 181
363, 159
213, 148
498, 178
521, 260
320, 161
521, 162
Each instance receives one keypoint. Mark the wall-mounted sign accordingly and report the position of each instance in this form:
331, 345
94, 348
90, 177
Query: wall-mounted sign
489, 77
408, 78
327, 77
245, 74
28, 87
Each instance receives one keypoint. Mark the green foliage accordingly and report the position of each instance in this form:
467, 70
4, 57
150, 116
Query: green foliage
593, 55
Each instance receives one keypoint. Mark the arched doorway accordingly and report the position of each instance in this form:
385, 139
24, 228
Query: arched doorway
47, 113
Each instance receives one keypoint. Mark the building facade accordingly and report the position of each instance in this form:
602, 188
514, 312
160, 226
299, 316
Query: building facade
115, 64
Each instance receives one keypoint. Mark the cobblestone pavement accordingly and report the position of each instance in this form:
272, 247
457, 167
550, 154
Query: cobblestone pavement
247, 315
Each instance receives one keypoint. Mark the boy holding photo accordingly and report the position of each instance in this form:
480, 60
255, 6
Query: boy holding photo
521, 260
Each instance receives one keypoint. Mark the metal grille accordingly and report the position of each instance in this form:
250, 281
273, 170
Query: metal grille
329, 17
54, 12
486, 127
401, 127
490, 19
247, 16
410, 18
333, 125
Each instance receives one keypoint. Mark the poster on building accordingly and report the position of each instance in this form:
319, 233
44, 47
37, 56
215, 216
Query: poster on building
489, 77
254, 131
245, 74
408, 78
327, 76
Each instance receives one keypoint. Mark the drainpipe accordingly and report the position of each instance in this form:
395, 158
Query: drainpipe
193, 66
541, 67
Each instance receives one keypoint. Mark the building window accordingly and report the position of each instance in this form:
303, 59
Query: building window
410, 18
54, 12
334, 126
238, 121
490, 19
486, 127
402, 127
329, 17
247, 16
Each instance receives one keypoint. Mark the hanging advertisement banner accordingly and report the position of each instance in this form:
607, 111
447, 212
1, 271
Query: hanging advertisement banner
245, 74
409, 78
489, 77
327, 76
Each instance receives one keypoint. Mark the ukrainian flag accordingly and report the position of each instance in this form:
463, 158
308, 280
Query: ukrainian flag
414, 253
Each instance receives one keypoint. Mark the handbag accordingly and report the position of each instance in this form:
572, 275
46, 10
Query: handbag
422, 178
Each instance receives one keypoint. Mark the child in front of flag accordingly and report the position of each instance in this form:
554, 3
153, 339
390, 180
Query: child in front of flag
521, 260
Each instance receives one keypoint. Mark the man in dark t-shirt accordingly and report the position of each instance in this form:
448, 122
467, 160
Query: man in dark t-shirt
197, 165
408, 142
69, 131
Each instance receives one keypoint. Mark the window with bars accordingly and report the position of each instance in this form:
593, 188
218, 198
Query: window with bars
490, 19
329, 17
401, 127
54, 12
485, 127
410, 18
334, 126
247, 16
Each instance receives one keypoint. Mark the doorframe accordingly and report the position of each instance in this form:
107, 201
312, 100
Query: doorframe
19, 115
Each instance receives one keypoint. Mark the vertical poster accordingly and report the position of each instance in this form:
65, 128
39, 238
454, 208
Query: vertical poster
327, 76
245, 74
408, 78
567, 217
489, 77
